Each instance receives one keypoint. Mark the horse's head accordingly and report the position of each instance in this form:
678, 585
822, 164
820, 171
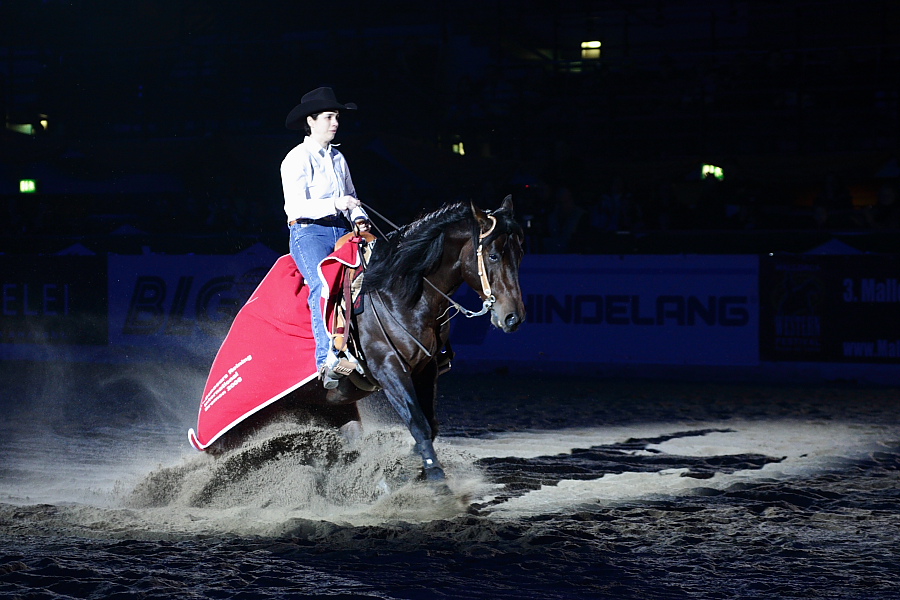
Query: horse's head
495, 270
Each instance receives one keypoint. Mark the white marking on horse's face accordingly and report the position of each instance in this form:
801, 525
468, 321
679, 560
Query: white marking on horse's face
499, 316
495, 321
508, 311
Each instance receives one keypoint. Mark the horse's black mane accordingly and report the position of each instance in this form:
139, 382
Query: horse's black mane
404, 257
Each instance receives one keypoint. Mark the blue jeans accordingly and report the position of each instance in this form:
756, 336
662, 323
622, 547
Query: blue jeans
309, 245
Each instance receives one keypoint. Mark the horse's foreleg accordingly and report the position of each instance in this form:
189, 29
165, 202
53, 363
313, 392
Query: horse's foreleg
402, 394
425, 384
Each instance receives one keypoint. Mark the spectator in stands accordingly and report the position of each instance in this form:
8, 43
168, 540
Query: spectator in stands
743, 210
710, 211
833, 205
661, 206
319, 202
885, 213
611, 212
567, 225
13, 222
532, 205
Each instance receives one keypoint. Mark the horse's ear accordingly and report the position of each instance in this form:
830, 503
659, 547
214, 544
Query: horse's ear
507, 204
480, 216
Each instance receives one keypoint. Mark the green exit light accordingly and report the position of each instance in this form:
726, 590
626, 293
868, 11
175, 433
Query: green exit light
27, 186
713, 170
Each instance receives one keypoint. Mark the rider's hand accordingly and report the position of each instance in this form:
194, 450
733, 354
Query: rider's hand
361, 225
346, 203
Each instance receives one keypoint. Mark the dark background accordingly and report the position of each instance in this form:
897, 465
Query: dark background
165, 118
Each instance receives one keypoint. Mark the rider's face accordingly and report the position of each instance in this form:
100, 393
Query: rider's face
324, 127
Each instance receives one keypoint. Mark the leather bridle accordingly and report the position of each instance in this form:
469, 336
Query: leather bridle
487, 295
488, 299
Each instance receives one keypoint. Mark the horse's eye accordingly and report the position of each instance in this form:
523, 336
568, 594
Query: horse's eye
493, 257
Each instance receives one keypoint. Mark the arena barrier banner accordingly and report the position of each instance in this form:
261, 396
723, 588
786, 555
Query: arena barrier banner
735, 310
830, 308
52, 301
642, 309
181, 301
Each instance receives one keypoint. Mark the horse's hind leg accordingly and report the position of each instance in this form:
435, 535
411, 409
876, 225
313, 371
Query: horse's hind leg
344, 417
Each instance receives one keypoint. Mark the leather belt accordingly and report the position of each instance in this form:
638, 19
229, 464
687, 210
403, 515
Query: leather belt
332, 221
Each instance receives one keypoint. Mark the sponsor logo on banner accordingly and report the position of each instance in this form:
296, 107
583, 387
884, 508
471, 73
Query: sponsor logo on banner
830, 308
161, 299
793, 308
629, 309
53, 300
619, 309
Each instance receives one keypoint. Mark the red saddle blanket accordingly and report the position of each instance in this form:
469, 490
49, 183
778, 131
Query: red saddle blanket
270, 350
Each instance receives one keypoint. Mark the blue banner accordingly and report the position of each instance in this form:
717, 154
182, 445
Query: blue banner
171, 301
53, 300
828, 308
700, 310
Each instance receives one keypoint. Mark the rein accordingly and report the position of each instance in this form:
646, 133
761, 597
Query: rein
487, 294
380, 216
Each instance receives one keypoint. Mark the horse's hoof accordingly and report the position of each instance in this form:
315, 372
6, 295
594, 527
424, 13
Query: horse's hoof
383, 488
352, 431
433, 473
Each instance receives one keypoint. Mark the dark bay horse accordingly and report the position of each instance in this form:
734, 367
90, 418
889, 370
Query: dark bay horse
404, 325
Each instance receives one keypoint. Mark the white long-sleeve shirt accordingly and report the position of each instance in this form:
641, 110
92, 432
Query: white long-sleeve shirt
313, 178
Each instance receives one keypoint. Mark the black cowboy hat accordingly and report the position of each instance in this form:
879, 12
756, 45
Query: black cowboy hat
316, 101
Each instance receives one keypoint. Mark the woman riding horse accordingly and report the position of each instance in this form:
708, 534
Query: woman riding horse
407, 289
